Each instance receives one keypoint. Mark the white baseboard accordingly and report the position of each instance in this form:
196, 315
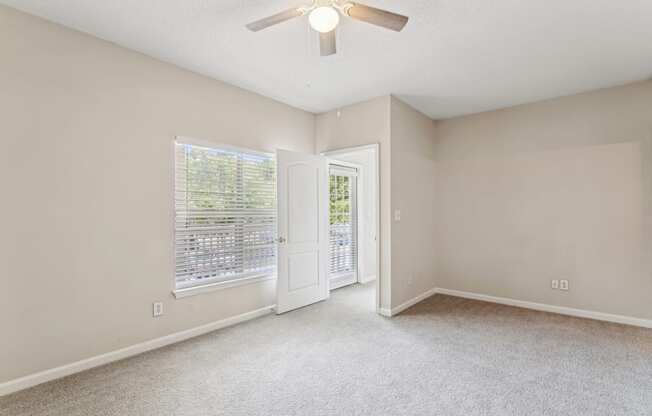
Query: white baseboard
341, 281
562, 310
403, 306
78, 366
367, 279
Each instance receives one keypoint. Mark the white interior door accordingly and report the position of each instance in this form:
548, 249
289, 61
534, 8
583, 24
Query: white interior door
302, 190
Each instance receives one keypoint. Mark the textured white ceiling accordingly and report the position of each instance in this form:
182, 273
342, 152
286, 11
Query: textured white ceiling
454, 56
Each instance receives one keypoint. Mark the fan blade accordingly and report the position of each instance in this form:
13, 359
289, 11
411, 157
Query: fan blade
327, 43
274, 19
376, 17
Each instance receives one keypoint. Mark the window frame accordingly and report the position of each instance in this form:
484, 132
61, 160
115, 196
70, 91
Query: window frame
214, 285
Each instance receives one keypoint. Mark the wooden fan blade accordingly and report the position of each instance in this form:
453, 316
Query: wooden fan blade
377, 17
274, 19
327, 43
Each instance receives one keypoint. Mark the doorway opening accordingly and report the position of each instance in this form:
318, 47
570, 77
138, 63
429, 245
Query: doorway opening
354, 207
327, 236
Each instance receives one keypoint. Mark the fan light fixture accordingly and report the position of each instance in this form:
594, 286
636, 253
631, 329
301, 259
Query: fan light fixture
324, 16
324, 19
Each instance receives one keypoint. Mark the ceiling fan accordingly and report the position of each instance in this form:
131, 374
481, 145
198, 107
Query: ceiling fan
324, 16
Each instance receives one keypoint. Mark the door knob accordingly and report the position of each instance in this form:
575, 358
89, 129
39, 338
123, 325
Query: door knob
280, 240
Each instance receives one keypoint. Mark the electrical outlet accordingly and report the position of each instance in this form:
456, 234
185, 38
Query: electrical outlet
563, 284
157, 309
555, 284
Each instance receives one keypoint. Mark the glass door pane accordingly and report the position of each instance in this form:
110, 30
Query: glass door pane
343, 225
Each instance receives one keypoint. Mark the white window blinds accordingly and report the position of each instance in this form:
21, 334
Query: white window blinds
225, 215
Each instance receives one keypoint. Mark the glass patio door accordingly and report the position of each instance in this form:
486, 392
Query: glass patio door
343, 265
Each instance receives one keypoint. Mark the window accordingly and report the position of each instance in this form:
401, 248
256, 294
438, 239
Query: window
225, 215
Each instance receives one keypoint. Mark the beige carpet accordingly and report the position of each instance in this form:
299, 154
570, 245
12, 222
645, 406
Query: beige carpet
445, 356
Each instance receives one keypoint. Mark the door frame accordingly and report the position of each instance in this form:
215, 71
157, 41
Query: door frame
375, 147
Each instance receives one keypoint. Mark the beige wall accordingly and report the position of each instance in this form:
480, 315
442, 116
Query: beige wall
412, 135
85, 171
406, 170
560, 189
356, 125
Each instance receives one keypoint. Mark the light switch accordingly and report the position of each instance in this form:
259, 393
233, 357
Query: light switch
157, 309
397, 215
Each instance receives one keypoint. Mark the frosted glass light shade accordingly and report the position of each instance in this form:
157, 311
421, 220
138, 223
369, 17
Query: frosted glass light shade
324, 19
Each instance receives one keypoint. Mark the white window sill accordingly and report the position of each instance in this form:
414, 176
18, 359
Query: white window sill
212, 287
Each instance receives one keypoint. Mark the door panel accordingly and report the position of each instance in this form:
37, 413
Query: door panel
302, 224
303, 271
303, 203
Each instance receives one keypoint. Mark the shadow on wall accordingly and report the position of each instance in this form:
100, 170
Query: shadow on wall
430, 104
508, 224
